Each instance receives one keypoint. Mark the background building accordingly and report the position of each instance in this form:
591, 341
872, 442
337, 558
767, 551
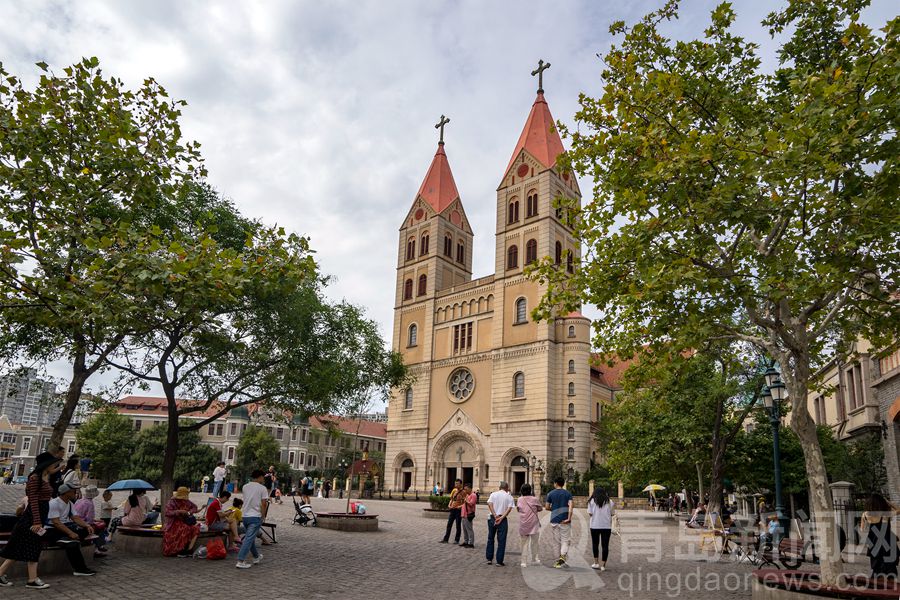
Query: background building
27, 399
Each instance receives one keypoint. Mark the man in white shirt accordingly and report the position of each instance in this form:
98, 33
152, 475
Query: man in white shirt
218, 478
256, 505
68, 529
500, 504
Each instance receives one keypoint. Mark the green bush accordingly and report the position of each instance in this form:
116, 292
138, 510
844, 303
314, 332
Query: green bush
439, 502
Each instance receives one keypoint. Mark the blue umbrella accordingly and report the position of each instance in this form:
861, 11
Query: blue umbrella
130, 484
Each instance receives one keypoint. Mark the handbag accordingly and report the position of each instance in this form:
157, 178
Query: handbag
190, 520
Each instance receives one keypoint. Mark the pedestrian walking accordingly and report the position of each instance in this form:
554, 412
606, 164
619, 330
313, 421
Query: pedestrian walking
528, 508
467, 515
25, 542
218, 478
256, 505
85, 465
600, 510
500, 503
559, 503
455, 516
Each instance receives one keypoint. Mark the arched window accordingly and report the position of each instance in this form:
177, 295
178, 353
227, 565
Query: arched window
423, 246
571, 366
512, 212
448, 245
530, 252
461, 253
407, 289
532, 206
571, 454
407, 402
571, 388
519, 385
512, 257
572, 434
571, 331
423, 284
558, 255
411, 249
521, 310
571, 409
570, 263
407, 463
413, 335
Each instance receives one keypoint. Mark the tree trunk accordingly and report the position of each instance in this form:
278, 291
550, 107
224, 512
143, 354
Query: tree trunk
80, 375
716, 485
699, 482
822, 507
167, 483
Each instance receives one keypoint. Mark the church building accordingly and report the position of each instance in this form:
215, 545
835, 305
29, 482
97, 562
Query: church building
496, 393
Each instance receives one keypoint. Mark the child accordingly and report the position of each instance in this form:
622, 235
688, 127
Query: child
237, 514
278, 496
106, 507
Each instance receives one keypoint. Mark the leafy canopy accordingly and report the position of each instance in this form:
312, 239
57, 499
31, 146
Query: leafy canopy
107, 438
194, 459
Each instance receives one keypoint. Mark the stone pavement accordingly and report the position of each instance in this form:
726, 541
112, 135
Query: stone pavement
652, 559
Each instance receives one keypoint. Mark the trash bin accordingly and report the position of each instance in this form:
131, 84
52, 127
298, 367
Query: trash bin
230, 487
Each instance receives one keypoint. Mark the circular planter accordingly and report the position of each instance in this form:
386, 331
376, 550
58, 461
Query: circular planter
435, 513
347, 522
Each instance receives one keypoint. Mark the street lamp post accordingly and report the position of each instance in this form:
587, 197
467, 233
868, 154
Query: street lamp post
343, 464
773, 394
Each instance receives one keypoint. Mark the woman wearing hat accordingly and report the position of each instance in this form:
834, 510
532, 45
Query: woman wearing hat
84, 508
180, 530
25, 542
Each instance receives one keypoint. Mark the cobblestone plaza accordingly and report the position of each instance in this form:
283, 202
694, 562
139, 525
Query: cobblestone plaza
653, 558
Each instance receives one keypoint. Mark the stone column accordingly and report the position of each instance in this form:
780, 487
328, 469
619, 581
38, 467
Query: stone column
842, 497
590, 488
621, 490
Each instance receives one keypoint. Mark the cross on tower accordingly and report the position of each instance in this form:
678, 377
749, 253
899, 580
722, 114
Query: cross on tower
540, 73
460, 452
440, 125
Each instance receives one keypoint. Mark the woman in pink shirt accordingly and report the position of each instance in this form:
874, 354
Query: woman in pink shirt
467, 512
529, 524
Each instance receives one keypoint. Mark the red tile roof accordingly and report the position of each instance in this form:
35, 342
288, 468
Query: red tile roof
149, 405
611, 377
539, 136
438, 189
366, 428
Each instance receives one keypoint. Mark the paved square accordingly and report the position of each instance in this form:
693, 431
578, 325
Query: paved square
405, 560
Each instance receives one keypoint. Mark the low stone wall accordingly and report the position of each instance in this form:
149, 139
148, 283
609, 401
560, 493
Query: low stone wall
435, 513
149, 542
53, 562
347, 522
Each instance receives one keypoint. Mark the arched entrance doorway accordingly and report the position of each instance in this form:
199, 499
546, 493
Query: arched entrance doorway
458, 456
518, 473
406, 474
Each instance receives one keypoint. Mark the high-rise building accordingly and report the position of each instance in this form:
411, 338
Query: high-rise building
27, 399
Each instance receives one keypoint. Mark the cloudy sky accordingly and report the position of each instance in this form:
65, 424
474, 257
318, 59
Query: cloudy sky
319, 116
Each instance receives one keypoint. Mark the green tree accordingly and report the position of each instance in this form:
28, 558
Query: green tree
230, 327
80, 156
735, 203
257, 450
862, 464
193, 460
107, 438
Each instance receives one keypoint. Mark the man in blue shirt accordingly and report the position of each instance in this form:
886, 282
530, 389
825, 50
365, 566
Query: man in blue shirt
559, 503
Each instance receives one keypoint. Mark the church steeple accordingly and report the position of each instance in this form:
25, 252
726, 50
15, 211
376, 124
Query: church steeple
438, 188
539, 136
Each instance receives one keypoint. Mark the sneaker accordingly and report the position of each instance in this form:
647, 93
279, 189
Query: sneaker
87, 573
243, 564
37, 584
501, 564
537, 561
257, 560
602, 568
523, 565
490, 562
560, 563
595, 566
443, 542
184, 555
4, 581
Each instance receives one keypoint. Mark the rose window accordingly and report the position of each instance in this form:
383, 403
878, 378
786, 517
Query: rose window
461, 385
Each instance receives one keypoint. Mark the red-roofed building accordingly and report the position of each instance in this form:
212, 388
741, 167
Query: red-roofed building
493, 387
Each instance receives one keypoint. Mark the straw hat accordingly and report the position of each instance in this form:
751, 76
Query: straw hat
182, 493
90, 492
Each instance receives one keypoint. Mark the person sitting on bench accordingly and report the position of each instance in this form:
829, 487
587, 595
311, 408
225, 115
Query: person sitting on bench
695, 522
217, 518
68, 529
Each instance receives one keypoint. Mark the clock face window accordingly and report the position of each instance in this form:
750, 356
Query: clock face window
461, 385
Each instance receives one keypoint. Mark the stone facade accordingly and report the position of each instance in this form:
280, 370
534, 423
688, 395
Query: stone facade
887, 386
493, 387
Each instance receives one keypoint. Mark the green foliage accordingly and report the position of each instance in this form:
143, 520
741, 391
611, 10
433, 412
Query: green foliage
439, 502
107, 438
555, 469
194, 459
257, 450
81, 159
861, 463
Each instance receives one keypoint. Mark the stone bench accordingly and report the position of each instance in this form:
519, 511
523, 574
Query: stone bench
347, 521
773, 584
53, 559
145, 541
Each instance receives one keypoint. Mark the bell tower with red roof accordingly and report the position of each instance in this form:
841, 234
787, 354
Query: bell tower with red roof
435, 253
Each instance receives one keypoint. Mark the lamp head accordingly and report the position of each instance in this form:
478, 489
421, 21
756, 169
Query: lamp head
778, 391
771, 376
767, 398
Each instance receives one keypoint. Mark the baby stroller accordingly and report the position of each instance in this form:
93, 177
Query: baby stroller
304, 514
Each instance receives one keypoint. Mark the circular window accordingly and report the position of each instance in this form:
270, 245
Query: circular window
461, 384
522, 171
